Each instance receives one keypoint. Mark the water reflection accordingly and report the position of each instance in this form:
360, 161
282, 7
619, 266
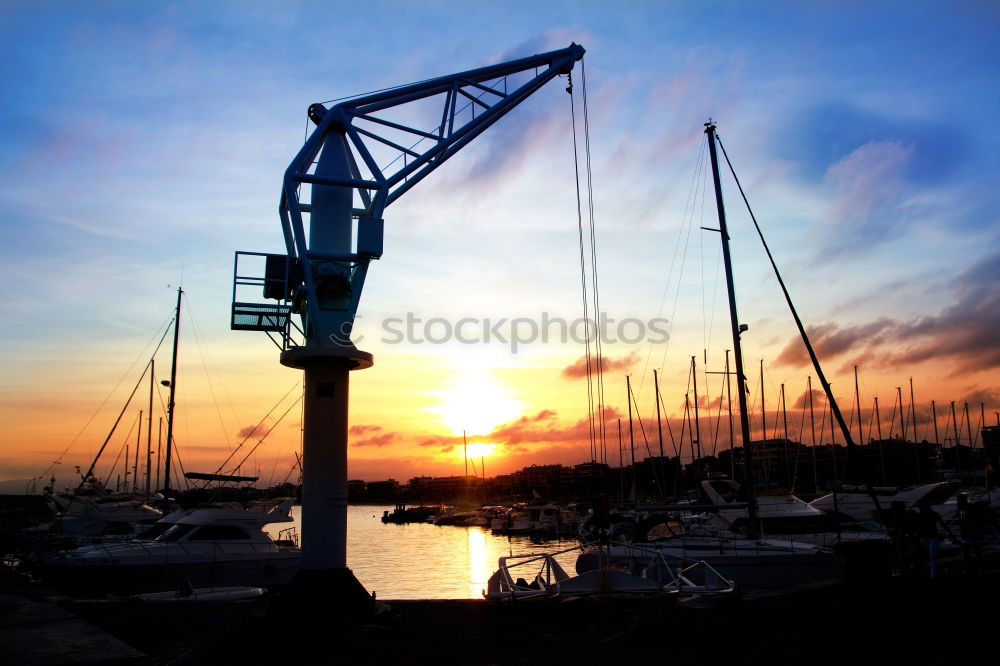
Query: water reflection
424, 561
479, 564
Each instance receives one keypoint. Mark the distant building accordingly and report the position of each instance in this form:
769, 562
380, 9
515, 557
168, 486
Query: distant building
357, 490
383, 491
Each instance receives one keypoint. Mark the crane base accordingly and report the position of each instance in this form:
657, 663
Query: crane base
330, 594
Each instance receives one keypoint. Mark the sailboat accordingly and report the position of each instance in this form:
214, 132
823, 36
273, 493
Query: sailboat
752, 561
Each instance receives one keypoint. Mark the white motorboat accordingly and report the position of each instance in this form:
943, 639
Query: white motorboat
92, 511
531, 519
203, 547
856, 503
779, 512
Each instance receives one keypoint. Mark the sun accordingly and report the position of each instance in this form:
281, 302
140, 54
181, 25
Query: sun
475, 403
479, 450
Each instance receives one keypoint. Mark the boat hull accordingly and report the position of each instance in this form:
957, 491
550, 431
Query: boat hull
126, 579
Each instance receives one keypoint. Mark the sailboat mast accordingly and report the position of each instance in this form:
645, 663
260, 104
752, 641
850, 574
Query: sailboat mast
937, 437
788, 459
857, 402
812, 427
159, 448
748, 480
631, 432
135, 463
170, 401
149, 426
878, 420
763, 427
902, 413
697, 420
621, 463
729, 403
958, 451
659, 427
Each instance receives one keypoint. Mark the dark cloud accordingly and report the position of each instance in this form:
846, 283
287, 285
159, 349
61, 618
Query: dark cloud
986, 396
363, 430
802, 402
963, 333
830, 340
578, 369
377, 441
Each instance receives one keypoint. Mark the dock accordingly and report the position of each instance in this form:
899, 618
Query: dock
820, 623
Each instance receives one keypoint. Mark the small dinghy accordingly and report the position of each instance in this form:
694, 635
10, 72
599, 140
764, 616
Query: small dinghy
204, 594
658, 578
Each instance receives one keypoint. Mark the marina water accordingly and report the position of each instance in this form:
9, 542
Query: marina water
424, 561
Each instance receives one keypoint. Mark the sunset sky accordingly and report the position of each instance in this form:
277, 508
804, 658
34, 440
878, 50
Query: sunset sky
142, 143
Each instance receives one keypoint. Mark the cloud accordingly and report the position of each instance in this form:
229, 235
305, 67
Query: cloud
963, 333
986, 396
829, 339
258, 430
378, 441
371, 435
870, 194
578, 369
802, 401
545, 428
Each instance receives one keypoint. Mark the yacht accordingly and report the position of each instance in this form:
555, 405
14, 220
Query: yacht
201, 547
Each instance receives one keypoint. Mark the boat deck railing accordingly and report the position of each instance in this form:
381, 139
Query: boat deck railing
152, 547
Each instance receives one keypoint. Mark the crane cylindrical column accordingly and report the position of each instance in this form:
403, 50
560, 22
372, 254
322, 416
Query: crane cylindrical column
327, 359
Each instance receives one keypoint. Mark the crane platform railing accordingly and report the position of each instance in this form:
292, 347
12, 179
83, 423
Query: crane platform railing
272, 279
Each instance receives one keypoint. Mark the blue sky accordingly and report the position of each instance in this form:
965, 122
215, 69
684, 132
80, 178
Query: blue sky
140, 141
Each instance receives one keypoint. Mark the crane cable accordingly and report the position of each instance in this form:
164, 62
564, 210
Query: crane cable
588, 360
593, 265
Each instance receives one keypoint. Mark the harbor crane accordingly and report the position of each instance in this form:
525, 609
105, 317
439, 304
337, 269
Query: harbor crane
333, 199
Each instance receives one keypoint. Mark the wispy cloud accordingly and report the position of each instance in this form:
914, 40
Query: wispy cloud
869, 195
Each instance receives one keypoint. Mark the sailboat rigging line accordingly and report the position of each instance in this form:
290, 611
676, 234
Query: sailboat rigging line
649, 452
204, 366
583, 276
798, 450
93, 464
259, 424
593, 263
261, 440
180, 463
718, 419
670, 430
692, 189
165, 326
851, 446
125, 442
